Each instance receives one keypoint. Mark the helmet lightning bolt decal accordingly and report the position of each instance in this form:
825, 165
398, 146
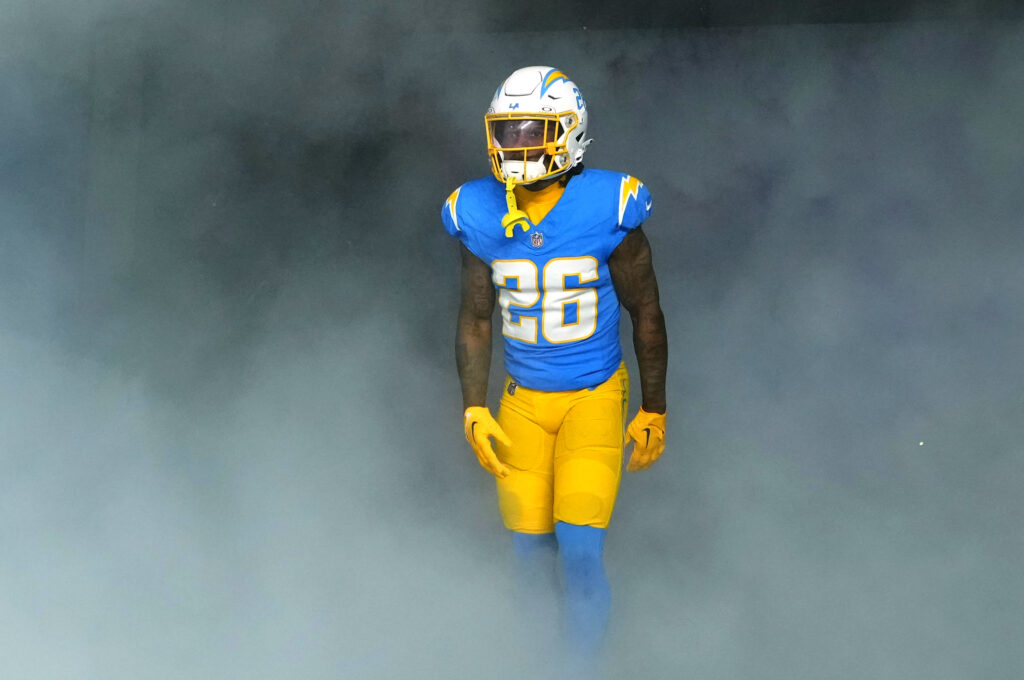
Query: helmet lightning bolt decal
450, 204
552, 77
630, 186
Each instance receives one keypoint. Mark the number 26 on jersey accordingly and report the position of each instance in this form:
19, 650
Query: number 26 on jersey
565, 314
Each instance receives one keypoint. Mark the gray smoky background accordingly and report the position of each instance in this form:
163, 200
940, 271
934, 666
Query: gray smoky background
230, 425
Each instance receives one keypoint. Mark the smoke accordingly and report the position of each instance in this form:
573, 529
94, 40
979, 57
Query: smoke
229, 418
843, 284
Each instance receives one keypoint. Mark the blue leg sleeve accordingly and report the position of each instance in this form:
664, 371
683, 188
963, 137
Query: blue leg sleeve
587, 595
536, 588
536, 565
535, 551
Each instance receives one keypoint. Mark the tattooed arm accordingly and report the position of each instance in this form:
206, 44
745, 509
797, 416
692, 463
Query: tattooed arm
473, 333
633, 275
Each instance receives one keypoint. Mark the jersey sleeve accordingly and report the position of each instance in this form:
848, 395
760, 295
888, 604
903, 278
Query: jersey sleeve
459, 215
634, 203
450, 214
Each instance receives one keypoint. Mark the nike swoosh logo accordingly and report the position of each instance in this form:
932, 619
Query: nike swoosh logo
647, 431
472, 429
649, 204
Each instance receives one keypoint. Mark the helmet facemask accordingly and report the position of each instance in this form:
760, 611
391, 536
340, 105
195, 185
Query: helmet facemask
527, 147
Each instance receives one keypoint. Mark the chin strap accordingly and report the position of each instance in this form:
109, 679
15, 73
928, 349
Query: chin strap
515, 215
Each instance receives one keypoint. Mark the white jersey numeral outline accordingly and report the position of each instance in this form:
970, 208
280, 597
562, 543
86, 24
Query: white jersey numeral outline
517, 283
517, 287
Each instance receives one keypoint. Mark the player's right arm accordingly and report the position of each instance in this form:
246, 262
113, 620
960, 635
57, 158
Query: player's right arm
473, 359
473, 334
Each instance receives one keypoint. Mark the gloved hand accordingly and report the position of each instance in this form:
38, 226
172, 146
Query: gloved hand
480, 426
648, 431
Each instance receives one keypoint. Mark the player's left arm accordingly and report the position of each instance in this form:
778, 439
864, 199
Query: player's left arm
632, 271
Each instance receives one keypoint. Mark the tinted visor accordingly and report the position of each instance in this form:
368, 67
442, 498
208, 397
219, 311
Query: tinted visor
523, 133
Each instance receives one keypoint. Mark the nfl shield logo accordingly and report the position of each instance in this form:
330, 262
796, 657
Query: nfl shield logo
537, 239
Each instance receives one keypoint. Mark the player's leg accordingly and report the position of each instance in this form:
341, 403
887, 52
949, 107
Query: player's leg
537, 599
587, 594
525, 496
536, 555
588, 465
525, 501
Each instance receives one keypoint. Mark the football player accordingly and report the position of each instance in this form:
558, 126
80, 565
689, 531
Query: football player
559, 247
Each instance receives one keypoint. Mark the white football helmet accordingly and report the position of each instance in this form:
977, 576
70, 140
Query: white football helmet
536, 126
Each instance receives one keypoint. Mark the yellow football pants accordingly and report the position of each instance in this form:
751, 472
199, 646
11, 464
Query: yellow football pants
566, 454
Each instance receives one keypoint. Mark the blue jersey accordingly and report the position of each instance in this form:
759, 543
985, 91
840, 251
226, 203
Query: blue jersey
560, 314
